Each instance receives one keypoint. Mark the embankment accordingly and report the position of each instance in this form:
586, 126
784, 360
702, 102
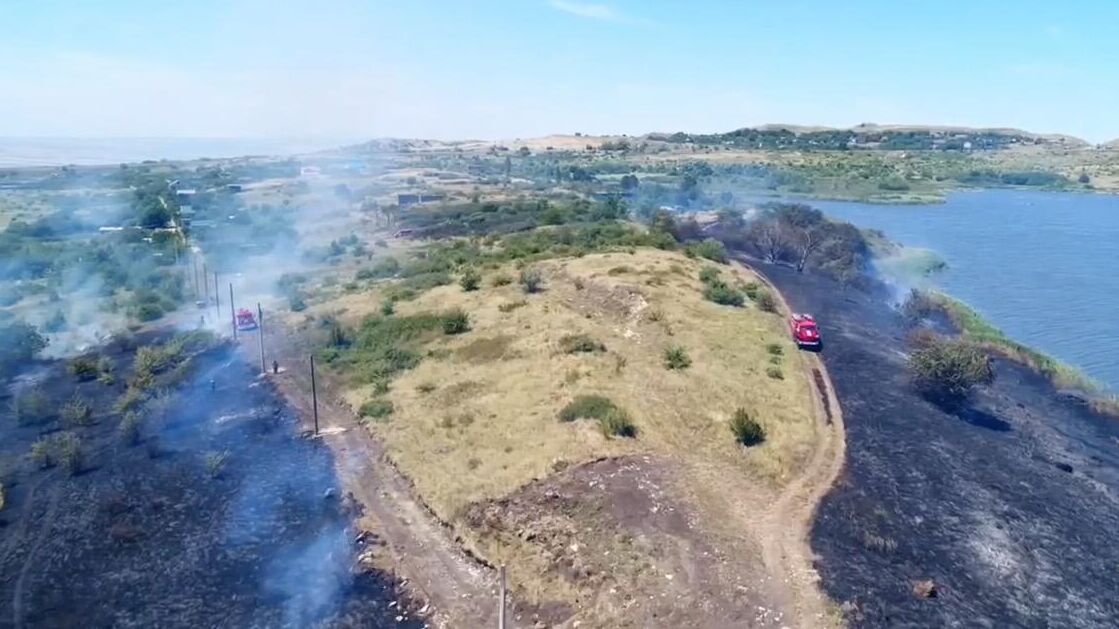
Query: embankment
1009, 507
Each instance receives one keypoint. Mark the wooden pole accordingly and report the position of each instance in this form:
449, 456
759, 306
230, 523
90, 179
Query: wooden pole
314, 395
232, 314
501, 601
260, 333
205, 282
217, 297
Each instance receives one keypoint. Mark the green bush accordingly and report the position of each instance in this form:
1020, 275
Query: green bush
723, 295
83, 368
580, 343
676, 358
376, 409
711, 249
775, 373
765, 301
69, 453
456, 322
709, 275
129, 428
388, 307
76, 412
42, 452
587, 407
775, 349
946, 370
617, 423
531, 280
470, 280
746, 431
751, 290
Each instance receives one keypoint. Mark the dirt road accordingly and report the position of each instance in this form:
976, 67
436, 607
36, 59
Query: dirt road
453, 589
785, 528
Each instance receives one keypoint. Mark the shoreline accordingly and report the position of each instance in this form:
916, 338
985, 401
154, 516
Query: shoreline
1063, 376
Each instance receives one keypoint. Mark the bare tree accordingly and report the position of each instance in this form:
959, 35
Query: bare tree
805, 241
771, 239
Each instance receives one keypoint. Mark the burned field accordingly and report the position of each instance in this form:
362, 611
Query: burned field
1009, 507
216, 513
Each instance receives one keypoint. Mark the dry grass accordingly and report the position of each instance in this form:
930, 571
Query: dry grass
506, 375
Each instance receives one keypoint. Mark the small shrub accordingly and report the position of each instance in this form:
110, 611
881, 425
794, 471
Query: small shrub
620, 363
380, 386
388, 308
579, 283
68, 450
42, 452
775, 373
215, 463
709, 275
512, 305
129, 428
531, 280
473, 464
654, 315
425, 387
501, 279
32, 408
297, 304
723, 295
711, 249
775, 349
746, 431
765, 301
456, 322
676, 358
775, 360
751, 289
84, 368
879, 544
470, 280
580, 344
946, 370
376, 409
617, 423
587, 407
76, 412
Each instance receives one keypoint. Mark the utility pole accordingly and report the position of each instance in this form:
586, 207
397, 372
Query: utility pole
260, 333
314, 395
501, 603
232, 314
217, 297
205, 282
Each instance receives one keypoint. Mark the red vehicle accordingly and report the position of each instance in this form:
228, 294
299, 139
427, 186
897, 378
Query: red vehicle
804, 330
245, 320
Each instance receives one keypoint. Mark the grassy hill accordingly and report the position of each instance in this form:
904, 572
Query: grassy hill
492, 421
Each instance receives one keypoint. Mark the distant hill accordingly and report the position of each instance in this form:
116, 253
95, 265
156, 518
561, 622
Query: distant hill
872, 136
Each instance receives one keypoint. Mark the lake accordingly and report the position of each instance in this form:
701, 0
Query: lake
1042, 266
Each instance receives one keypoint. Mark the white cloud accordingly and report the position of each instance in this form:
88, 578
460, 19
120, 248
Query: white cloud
599, 12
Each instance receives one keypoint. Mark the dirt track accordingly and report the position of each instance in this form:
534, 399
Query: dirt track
785, 529
456, 590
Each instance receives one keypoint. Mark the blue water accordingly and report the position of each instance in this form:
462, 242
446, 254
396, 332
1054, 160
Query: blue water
22, 152
1042, 266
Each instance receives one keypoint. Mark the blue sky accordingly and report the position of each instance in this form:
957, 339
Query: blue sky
353, 69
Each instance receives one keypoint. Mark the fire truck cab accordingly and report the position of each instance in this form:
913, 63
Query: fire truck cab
245, 320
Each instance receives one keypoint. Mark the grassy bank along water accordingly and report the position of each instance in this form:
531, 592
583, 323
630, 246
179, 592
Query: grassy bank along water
1063, 376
